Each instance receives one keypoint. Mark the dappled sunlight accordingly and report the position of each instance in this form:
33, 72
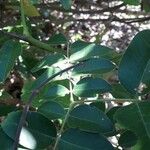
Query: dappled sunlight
27, 139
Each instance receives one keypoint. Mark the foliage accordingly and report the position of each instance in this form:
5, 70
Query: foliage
67, 88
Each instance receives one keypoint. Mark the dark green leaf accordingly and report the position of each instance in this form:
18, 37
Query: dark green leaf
8, 55
111, 113
95, 66
88, 87
3, 39
118, 91
52, 110
135, 117
6, 142
146, 5
81, 50
29, 60
135, 61
74, 139
57, 39
142, 144
127, 139
38, 133
5, 109
91, 119
100, 105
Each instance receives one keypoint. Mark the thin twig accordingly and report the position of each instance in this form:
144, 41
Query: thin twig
117, 19
14, 35
77, 11
64, 122
32, 41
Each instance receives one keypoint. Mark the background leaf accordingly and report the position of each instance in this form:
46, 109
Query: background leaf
9, 52
66, 4
57, 39
29, 9
81, 50
146, 5
5, 109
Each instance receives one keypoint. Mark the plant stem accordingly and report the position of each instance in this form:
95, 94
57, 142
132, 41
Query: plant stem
43, 45
32, 41
69, 73
64, 122
109, 100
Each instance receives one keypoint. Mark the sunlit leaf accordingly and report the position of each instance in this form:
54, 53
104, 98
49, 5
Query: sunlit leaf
47, 61
46, 74
54, 91
81, 50
88, 87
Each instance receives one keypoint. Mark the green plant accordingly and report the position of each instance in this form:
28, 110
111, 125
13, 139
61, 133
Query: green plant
64, 107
